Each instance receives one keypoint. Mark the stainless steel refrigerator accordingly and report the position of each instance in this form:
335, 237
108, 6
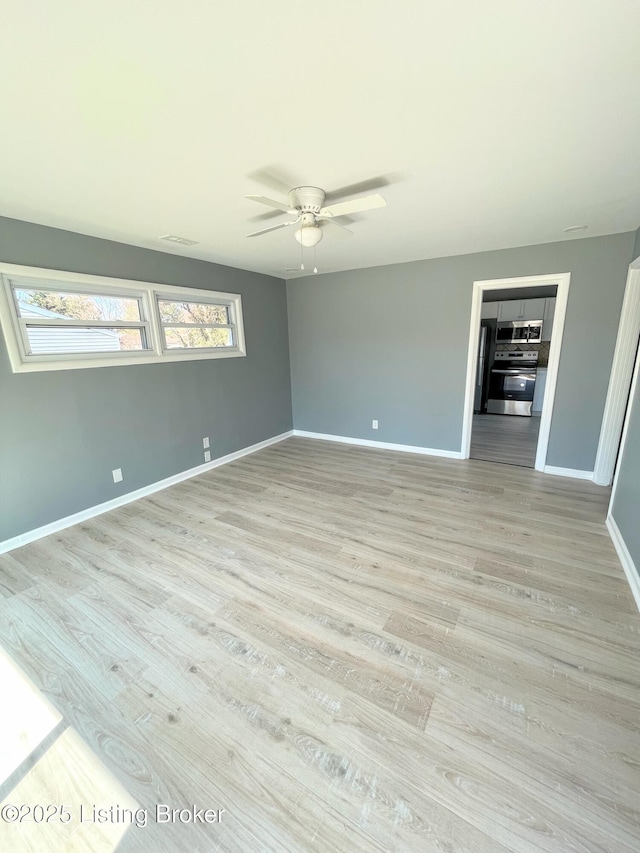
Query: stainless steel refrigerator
486, 347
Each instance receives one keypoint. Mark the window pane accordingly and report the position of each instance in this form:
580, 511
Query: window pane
75, 306
58, 339
192, 312
197, 338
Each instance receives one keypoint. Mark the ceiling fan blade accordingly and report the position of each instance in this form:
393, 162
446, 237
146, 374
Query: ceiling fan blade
367, 186
275, 178
279, 205
273, 228
263, 217
356, 205
335, 228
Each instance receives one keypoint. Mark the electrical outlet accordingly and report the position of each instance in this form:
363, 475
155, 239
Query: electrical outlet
374, 424
205, 442
207, 456
117, 475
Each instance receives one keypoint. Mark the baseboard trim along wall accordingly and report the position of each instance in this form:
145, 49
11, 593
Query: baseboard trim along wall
380, 445
129, 497
568, 472
428, 451
630, 568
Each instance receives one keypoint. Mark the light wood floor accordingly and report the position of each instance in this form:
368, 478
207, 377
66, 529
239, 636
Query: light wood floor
347, 650
505, 438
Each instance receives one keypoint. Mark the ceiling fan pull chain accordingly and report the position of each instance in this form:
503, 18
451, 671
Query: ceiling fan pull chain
301, 255
315, 265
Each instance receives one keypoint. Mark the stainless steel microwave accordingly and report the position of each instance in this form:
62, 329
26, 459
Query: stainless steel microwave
519, 332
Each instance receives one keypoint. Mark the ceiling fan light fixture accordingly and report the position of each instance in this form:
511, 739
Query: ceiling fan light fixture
309, 235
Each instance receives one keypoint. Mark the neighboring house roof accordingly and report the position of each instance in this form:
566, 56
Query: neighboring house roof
52, 339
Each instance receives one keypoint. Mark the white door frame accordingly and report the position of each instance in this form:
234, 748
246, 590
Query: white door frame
620, 380
627, 417
562, 296
630, 568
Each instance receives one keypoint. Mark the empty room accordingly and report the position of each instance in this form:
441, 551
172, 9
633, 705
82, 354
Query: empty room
320, 427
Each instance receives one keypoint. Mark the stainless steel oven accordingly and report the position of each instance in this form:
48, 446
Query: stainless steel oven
512, 383
519, 332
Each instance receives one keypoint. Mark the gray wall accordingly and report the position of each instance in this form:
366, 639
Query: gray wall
626, 506
62, 432
391, 343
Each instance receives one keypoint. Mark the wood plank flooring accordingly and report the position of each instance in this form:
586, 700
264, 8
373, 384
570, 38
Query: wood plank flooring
509, 439
345, 649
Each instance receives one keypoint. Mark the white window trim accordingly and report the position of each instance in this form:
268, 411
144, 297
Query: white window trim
147, 293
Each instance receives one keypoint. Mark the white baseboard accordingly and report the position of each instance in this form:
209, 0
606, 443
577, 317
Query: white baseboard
428, 451
568, 472
630, 568
380, 445
129, 497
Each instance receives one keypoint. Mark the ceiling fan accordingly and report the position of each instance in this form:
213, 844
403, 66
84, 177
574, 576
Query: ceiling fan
307, 205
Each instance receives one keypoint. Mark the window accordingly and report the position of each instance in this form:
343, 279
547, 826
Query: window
195, 325
53, 321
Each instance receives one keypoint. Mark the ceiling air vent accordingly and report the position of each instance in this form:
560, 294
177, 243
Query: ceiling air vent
172, 238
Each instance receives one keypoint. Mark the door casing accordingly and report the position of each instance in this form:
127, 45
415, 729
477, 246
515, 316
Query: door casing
562, 280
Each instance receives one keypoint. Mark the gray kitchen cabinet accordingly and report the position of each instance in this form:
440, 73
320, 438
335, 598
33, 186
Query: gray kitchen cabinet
533, 309
511, 309
489, 310
521, 309
547, 320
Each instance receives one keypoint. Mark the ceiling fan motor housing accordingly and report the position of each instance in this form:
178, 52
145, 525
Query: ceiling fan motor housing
306, 199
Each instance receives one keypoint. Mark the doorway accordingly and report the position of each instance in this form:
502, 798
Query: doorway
513, 352
620, 381
497, 436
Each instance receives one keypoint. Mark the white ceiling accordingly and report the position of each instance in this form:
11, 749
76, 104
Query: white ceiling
497, 123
